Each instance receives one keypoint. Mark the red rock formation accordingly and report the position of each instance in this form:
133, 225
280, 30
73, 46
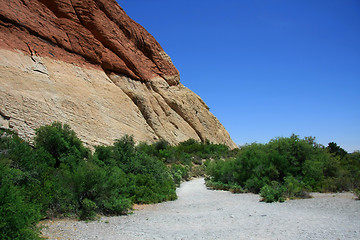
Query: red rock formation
99, 31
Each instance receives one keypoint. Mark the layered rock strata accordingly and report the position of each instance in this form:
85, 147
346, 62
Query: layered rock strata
87, 64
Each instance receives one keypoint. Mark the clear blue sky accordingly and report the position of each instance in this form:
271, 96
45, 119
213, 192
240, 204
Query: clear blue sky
266, 68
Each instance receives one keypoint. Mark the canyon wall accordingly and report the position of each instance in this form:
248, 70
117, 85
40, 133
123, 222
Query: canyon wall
87, 64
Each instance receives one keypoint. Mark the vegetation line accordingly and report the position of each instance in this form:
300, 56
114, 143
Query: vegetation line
59, 177
287, 168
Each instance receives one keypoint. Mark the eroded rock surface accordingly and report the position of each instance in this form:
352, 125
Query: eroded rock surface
86, 63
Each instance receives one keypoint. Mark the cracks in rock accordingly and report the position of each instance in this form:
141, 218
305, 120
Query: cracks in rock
39, 66
141, 44
143, 111
161, 106
31, 52
138, 103
122, 28
76, 12
174, 106
23, 2
107, 44
43, 38
83, 24
4, 121
132, 71
4, 116
24, 27
138, 40
69, 39
40, 71
142, 107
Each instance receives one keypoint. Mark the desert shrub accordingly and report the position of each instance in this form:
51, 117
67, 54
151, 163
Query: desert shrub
234, 188
300, 165
148, 190
60, 177
107, 188
217, 185
88, 208
179, 173
116, 205
104, 156
255, 184
18, 214
85, 181
177, 176
329, 185
160, 145
351, 166
336, 150
250, 169
115, 196
36, 166
187, 152
272, 193
196, 170
294, 188
149, 180
124, 154
61, 142
214, 169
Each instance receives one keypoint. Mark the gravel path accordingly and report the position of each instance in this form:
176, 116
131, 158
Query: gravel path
203, 214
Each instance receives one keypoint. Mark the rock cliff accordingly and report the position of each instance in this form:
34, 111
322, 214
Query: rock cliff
87, 64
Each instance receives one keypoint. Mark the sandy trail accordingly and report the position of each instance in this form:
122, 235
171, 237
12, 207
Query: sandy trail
203, 214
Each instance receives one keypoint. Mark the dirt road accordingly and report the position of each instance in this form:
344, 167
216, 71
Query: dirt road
204, 214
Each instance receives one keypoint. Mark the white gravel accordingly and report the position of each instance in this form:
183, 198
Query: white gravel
204, 214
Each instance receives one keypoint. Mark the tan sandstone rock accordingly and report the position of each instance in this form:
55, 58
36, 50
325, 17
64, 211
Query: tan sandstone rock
87, 64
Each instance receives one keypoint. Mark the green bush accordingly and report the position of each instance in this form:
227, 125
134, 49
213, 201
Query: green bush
179, 173
294, 188
300, 165
234, 188
255, 184
61, 142
149, 180
117, 205
272, 193
216, 185
61, 177
187, 152
18, 215
88, 208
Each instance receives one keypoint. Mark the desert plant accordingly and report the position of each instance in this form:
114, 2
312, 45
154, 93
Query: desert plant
61, 142
272, 193
18, 215
88, 208
294, 188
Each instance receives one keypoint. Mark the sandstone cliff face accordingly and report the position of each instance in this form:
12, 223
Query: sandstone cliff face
87, 64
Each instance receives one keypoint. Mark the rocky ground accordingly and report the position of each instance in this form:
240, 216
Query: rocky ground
204, 214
